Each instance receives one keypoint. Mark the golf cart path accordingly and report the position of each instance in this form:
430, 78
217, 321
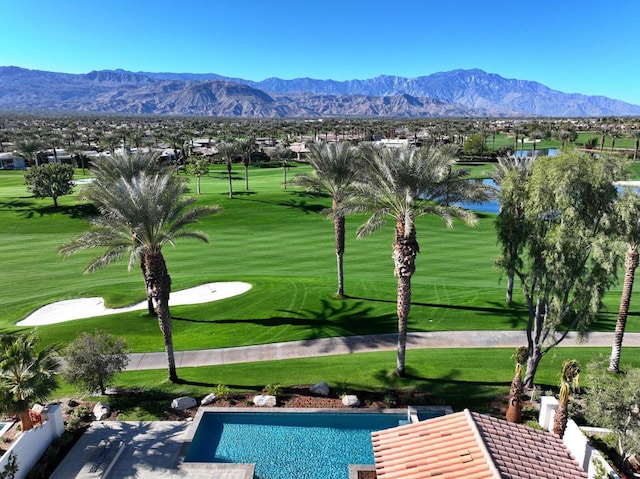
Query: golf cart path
360, 344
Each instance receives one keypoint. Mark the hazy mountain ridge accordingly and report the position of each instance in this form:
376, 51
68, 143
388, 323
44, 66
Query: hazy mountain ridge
454, 93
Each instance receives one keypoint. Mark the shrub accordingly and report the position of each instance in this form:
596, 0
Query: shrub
273, 390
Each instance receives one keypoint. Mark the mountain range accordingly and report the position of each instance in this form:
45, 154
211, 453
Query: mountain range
457, 93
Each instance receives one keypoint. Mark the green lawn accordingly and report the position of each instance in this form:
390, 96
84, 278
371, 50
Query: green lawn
278, 240
461, 378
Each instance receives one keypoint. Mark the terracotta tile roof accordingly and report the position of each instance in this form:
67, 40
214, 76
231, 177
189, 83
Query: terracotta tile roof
473, 446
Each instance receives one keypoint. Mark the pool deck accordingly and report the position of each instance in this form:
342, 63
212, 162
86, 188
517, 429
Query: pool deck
156, 449
141, 450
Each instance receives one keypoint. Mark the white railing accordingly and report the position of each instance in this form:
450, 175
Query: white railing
31, 444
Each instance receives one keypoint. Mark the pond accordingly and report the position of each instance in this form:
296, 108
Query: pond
538, 152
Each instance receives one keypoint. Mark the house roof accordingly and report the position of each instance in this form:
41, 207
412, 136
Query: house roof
473, 446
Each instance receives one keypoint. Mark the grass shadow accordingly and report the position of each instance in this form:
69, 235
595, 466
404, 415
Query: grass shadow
331, 318
83, 210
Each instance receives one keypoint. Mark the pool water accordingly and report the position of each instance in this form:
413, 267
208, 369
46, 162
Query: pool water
290, 445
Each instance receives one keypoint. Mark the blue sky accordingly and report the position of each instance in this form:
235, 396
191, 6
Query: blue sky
586, 46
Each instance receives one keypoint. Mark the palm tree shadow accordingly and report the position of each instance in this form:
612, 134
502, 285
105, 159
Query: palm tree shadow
160, 441
331, 318
301, 203
518, 314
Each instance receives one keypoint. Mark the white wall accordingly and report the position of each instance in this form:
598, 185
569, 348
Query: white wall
31, 444
574, 439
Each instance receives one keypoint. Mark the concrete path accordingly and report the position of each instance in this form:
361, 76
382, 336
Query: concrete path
359, 344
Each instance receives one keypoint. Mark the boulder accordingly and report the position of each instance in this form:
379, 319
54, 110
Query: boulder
350, 400
321, 389
184, 402
101, 411
264, 400
208, 399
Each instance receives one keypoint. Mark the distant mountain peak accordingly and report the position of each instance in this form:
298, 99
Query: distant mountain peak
471, 92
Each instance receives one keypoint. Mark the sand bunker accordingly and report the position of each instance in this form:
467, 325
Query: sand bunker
82, 308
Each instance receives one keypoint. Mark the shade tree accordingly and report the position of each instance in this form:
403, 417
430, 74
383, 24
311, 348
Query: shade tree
50, 180
568, 260
92, 360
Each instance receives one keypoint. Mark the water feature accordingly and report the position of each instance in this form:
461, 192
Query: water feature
538, 152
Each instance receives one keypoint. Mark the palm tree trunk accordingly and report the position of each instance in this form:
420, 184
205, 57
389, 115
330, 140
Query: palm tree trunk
405, 249
150, 308
403, 307
160, 284
339, 229
514, 410
561, 418
284, 175
25, 420
230, 183
630, 264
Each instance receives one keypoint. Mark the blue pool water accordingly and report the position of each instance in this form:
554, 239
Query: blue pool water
290, 445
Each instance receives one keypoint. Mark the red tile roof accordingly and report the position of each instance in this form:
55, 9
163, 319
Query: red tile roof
471, 446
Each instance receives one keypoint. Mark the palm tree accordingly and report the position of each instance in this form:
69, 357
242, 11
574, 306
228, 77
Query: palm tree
629, 231
245, 148
403, 184
282, 154
228, 151
511, 175
635, 134
27, 374
139, 216
29, 149
335, 170
514, 410
108, 170
569, 377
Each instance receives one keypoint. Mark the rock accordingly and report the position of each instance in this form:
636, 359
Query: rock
320, 388
264, 400
350, 400
208, 399
101, 411
184, 402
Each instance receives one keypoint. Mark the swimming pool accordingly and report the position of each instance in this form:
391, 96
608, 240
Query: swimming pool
5, 426
286, 445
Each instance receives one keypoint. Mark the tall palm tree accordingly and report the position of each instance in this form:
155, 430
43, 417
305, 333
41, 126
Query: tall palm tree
335, 170
108, 170
628, 214
27, 374
245, 148
569, 377
282, 154
403, 184
139, 216
228, 151
514, 410
511, 175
